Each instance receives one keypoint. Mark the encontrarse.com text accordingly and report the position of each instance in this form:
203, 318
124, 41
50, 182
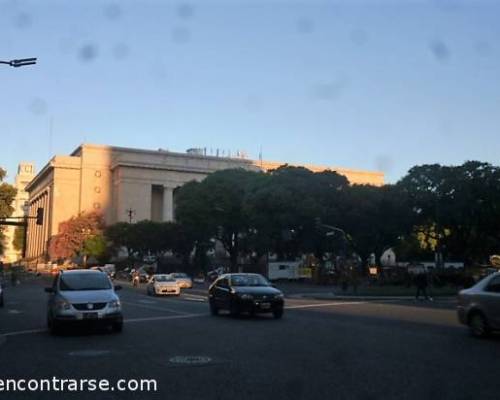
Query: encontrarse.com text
55, 384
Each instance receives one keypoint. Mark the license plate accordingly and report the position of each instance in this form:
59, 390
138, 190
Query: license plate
265, 306
90, 315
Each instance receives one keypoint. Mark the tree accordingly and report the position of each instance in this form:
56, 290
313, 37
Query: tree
95, 246
149, 238
458, 207
73, 234
7, 196
18, 241
214, 208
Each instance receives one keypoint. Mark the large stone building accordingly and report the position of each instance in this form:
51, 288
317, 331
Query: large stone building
25, 173
125, 183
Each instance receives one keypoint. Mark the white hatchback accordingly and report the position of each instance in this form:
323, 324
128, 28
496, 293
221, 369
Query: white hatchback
162, 284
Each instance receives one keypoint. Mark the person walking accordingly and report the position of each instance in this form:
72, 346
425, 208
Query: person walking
422, 281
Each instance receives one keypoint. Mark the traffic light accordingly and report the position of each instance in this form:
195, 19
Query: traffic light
39, 216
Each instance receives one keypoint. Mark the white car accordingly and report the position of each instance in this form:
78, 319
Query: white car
183, 280
162, 285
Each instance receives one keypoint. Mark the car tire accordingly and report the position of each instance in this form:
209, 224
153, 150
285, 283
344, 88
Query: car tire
117, 327
214, 310
277, 314
478, 325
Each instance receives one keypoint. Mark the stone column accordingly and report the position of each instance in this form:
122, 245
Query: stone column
168, 204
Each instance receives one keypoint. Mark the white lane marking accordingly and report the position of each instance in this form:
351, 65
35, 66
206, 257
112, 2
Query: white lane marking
155, 308
199, 296
127, 320
325, 305
13, 311
165, 318
194, 299
26, 332
147, 301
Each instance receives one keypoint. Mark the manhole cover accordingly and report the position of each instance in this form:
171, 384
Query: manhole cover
89, 353
190, 360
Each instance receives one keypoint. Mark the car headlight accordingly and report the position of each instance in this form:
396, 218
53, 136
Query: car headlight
246, 296
279, 296
63, 304
114, 304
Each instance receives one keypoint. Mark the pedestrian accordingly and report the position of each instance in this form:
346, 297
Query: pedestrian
422, 281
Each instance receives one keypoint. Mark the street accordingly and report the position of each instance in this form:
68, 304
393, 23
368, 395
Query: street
358, 349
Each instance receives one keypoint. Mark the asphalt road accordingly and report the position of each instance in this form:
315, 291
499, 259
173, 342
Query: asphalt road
319, 350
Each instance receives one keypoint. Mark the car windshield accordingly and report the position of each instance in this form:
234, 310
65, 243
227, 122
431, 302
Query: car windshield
249, 280
164, 278
180, 275
84, 281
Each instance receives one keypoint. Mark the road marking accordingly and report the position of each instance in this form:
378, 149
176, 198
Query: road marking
147, 301
154, 308
13, 311
89, 353
325, 305
26, 332
194, 298
199, 296
165, 318
131, 320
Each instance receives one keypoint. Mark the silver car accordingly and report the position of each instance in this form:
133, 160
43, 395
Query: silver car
479, 306
83, 296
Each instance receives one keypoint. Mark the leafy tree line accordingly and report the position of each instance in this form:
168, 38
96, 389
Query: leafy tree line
453, 210
7, 195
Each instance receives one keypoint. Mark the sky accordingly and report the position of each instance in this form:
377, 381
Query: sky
362, 84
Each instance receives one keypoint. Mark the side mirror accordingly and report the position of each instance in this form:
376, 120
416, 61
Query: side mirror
118, 287
49, 290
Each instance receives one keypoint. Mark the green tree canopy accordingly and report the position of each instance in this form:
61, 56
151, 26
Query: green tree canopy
7, 195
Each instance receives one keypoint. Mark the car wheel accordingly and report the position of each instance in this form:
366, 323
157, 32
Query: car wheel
117, 327
213, 309
478, 325
277, 314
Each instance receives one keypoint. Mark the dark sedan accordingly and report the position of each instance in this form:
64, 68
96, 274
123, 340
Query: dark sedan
251, 293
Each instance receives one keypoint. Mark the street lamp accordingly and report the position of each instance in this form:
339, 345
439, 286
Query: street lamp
20, 62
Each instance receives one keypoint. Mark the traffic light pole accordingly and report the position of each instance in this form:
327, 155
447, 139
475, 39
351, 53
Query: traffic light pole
24, 223
25, 236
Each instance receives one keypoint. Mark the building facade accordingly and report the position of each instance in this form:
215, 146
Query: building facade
126, 184
25, 173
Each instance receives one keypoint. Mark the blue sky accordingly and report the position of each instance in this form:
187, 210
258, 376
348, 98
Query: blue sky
381, 85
